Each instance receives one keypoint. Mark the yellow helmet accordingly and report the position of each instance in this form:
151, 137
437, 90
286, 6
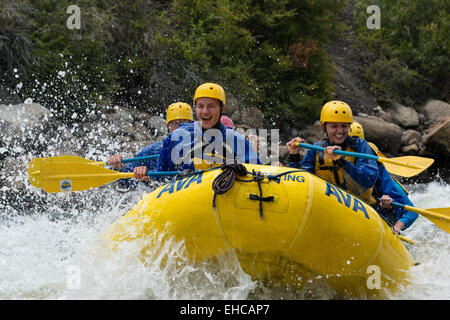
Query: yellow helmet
210, 90
179, 110
356, 130
336, 111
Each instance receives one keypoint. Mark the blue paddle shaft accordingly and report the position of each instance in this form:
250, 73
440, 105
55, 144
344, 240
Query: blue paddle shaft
162, 173
153, 156
152, 173
396, 204
340, 152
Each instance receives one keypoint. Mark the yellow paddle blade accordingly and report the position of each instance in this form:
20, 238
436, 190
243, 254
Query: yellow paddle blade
407, 166
76, 176
439, 216
34, 166
34, 172
443, 220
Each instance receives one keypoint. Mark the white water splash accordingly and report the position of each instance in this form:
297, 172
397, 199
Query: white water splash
431, 278
43, 258
40, 251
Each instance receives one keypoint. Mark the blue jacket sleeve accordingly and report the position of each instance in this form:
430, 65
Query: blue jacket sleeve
386, 185
408, 217
183, 136
365, 172
164, 162
152, 149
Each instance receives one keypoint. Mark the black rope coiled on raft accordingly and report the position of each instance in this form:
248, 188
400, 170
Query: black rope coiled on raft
225, 180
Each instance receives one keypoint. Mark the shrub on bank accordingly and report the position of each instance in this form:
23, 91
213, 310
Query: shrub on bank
146, 55
411, 49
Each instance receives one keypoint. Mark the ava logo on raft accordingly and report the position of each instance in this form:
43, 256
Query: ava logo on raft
181, 184
346, 199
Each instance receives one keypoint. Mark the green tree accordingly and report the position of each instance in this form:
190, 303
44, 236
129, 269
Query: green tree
268, 54
411, 48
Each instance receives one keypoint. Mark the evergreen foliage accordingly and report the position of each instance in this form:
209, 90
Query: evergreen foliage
411, 49
266, 53
148, 54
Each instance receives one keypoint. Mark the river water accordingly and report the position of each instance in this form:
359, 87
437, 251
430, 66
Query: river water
52, 250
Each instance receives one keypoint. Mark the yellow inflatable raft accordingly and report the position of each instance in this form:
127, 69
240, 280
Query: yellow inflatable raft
288, 227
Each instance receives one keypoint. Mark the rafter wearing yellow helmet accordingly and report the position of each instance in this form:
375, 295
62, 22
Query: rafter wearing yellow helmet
203, 147
177, 114
357, 176
210, 104
179, 111
336, 111
210, 90
356, 130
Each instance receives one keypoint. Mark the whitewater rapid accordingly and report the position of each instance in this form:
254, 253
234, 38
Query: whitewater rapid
55, 252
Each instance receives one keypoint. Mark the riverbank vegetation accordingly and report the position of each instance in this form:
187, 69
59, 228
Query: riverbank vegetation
269, 54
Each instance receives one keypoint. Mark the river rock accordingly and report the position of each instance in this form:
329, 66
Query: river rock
313, 133
140, 131
436, 110
422, 119
24, 116
250, 116
156, 125
436, 141
142, 115
25, 126
410, 137
122, 120
407, 117
386, 116
387, 136
232, 105
411, 149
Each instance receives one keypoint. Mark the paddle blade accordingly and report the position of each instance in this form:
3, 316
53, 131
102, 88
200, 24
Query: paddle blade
75, 176
65, 158
34, 172
443, 221
406, 166
34, 166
